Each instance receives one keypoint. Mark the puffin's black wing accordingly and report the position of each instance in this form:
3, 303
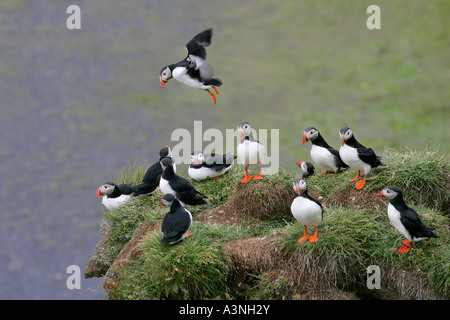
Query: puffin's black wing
187, 193
368, 156
414, 224
126, 189
196, 46
174, 225
216, 162
150, 181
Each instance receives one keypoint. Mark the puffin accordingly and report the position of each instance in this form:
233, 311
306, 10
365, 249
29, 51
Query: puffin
306, 167
306, 210
322, 154
176, 223
357, 156
193, 71
150, 181
249, 151
204, 166
405, 219
172, 183
113, 196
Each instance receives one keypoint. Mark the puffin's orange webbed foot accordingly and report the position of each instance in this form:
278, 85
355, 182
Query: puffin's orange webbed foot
360, 184
212, 95
357, 178
305, 236
215, 89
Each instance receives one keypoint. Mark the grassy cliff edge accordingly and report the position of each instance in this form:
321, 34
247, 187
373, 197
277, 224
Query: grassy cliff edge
244, 246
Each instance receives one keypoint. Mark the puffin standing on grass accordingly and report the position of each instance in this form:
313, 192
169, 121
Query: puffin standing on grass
249, 151
306, 210
193, 70
405, 219
113, 196
150, 181
322, 154
209, 166
172, 183
356, 156
176, 223
306, 167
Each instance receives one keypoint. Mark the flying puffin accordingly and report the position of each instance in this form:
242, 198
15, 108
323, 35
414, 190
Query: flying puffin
193, 70
150, 181
356, 156
176, 223
113, 196
172, 183
405, 219
306, 167
322, 154
204, 166
249, 151
306, 210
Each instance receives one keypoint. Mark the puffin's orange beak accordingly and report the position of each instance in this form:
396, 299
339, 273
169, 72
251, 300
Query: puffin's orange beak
97, 194
380, 195
162, 82
162, 203
240, 134
298, 191
196, 160
342, 140
304, 138
298, 162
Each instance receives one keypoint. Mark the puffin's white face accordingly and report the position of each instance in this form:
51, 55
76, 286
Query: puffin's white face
348, 134
164, 76
388, 193
299, 185
304, 167
197, 158
244, 130
105, 190
310, 134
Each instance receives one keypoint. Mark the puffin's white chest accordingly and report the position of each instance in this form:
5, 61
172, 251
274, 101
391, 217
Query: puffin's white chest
202, 173
165, 187
323, 158
394, 218
251, 152
113, 203
350, 157
306, 212
180, 74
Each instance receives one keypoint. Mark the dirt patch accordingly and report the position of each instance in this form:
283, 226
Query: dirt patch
259, 201
356, 199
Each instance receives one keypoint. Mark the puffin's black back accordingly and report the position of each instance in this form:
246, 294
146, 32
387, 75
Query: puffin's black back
175, 223
410, 218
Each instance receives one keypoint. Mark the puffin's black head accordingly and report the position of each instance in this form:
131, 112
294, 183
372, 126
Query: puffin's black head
299, 186
167, 200
390, 192
346, 133
310, 133
166, 164
244, 129
165, 152
164, 75
105, 189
